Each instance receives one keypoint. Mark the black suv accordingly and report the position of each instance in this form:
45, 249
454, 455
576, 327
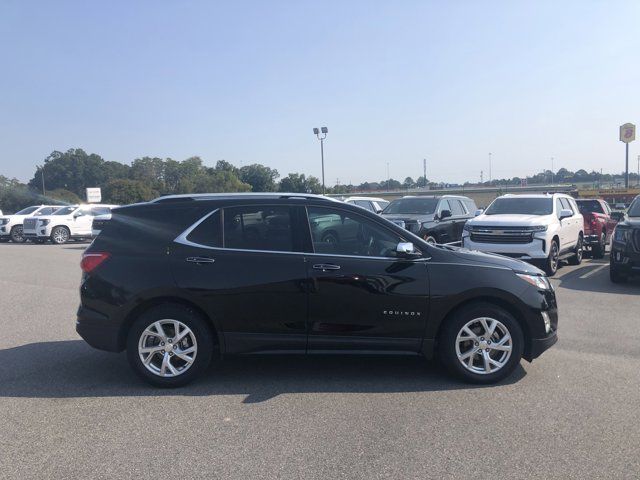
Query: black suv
625, 247
434, 219
182, 279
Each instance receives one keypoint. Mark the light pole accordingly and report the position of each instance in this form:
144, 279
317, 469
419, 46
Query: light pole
552, 173
489, 168
324, 131
388, 177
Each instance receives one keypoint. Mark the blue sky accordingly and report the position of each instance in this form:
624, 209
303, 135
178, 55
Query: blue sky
394, 82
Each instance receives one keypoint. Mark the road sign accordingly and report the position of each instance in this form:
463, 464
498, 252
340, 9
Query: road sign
627, 132
94, 195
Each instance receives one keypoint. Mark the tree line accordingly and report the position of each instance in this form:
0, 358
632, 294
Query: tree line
68, 174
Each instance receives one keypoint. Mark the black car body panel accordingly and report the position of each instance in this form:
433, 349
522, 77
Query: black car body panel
443, 228
312, 297
625, 253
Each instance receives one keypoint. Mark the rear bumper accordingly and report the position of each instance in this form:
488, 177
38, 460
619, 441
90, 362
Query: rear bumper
591, 239
96, 330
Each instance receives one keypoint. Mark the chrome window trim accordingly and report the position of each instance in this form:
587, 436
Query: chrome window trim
182, 239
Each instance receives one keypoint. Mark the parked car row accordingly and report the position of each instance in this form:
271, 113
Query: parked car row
56, 223
542, 229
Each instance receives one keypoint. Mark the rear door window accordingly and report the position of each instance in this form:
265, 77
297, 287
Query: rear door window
457, 210
208, 232
258, 228
444, 205
364, 204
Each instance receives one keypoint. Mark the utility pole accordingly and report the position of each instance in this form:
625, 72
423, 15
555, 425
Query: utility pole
481, 178
490, 178
424, 170
552, 172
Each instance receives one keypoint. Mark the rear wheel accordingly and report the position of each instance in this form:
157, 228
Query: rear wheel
597, 250
550, 266
482, 343
169, 345
576, 258
17, 234
60, 235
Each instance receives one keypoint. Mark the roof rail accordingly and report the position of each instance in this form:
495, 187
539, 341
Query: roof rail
212, 196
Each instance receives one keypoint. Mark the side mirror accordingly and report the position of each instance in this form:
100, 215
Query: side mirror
478, 212
445, 214
406, 250
77, 214
565, 213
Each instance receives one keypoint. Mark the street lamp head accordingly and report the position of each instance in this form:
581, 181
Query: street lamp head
325, 130
316, 131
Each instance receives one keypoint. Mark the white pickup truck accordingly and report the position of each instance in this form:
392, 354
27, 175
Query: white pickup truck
70, 222
11, 225
541, 229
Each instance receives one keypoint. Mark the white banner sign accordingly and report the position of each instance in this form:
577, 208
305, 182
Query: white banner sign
94, 195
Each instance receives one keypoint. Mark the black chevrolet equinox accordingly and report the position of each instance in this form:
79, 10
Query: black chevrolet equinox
184, 279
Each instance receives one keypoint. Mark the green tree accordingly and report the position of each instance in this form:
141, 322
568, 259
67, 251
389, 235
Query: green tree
123, 191
261, 178
62, 196
299, 183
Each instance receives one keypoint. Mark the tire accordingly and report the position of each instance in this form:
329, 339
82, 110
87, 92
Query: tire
550, 265
614, 275
576, 258
598, 249
452, 350
17, 234
60, 235
142, 334
430, 240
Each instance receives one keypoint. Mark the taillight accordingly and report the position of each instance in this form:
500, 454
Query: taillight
91, 261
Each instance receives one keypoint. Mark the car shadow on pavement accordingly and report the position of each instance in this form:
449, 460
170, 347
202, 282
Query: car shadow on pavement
594, 277
68, 369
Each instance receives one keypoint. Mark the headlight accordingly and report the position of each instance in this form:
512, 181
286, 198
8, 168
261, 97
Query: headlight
539, 281
539, 228
4, 221
620, 234
44, 222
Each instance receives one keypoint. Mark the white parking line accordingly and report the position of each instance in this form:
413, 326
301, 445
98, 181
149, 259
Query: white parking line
594, 271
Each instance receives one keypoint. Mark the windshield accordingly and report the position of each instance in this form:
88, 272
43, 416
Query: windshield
64, 211
588, 206
27, 211
634, 209
412, 206
520, 206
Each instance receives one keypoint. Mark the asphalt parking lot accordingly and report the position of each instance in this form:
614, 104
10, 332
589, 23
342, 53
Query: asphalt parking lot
69, 411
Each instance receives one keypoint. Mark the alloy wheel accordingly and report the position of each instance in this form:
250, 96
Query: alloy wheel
580, 250
167, 348
60, 235
484, 345
554, 256
17, 234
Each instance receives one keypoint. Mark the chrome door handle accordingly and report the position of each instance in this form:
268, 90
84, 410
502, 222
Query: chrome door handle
326, 266
200, 259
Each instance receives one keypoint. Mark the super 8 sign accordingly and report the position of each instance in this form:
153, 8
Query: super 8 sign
627, 132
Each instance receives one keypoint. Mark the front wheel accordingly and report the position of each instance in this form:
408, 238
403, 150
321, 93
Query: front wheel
482, 344
576, 258
169, 345
17, 234
60, 235
550, 266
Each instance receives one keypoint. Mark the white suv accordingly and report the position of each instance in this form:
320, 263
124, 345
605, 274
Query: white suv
542, 229
11, 225
70, 222
373, 204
